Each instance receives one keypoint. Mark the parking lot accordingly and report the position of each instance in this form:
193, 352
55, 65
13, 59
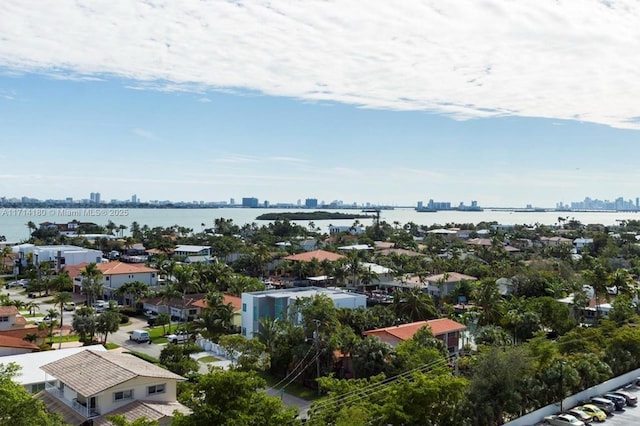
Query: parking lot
630, 416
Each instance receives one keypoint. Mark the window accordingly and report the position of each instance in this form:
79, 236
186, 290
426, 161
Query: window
123, 395
153, 275
37, 387
152, 390
244, 307
255, 313
106, 278
4, 319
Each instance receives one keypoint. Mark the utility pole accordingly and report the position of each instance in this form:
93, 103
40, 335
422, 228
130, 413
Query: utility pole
561, 380
316, 338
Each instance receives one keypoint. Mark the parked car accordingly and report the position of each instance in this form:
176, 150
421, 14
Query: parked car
563, 420
580, 415
596, 413
100, 305
70, 306
603, 404
630, 398
140, 336
180, 336
618, 400
45, 319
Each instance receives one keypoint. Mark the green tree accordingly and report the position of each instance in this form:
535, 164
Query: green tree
17, 406
414, 305
497, 385
231, 398
91, 283
440, 397
108, 322
121, 420
217, 316
84, 323
177, 358
246, 354
135, 289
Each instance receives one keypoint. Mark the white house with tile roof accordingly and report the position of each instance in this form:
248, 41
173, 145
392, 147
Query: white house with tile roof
114, 275
90, 385
30, 375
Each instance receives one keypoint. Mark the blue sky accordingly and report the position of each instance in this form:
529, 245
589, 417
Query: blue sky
501, 103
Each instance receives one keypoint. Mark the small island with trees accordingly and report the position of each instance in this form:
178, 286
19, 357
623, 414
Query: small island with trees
317, 215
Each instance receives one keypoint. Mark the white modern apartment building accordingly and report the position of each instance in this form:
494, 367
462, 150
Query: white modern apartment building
275, 303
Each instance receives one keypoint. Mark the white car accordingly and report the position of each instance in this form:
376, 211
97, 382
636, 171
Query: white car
180, 336
563, 420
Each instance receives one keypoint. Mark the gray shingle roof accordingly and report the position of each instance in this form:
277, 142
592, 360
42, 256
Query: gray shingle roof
149, 409
89, 372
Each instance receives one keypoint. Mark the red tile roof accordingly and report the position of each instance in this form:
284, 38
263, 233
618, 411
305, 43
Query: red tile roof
320, 255
226, 299
406, 331
8, 310
111, 268
16, 342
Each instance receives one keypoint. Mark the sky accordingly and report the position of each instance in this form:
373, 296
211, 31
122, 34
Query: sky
507, 103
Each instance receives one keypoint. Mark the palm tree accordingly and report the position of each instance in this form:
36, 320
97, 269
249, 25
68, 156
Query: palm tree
137, 289
169, 293
413, 305
490, 301
91, 282
31, 307
217, 316
268, 332
53, 314
31, 227
5, 253
62, 298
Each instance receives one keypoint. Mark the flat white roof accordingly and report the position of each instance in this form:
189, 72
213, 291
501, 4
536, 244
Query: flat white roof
190, 248
30, 363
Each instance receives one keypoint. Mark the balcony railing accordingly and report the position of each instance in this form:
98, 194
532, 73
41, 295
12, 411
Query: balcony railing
82, 409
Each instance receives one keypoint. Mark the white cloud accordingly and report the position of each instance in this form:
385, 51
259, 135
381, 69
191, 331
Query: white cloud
566, 59
145, 134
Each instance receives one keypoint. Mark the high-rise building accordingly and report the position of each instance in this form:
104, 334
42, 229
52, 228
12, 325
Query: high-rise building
249, 202
311, 203
134, 198
232, 201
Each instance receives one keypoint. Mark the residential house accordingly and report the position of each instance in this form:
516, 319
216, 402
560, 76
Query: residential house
69, 228
579, 244
87, 386
15, 346
114, 275
445, 329
184, 308
15, 326
191, 250
30, 375
352, 230
441, 284
275, 303
60, 256
319, 255
555, 241
227, 299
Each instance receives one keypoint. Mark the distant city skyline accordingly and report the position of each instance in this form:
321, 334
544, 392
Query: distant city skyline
588, 203
507, 103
